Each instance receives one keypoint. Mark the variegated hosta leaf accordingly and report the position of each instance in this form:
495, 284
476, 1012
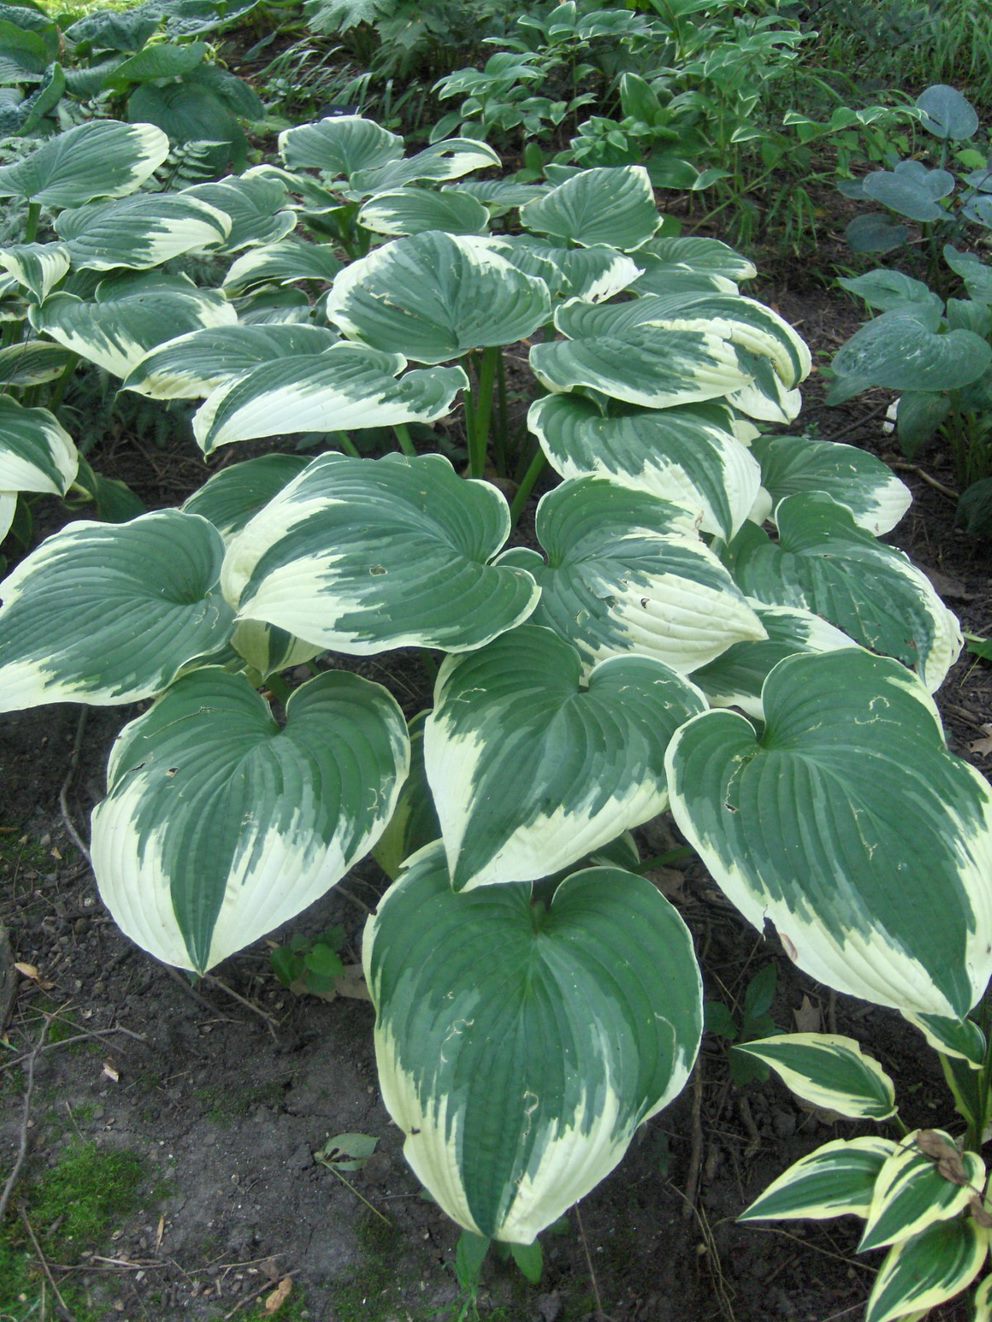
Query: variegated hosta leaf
593, 274
36, 452
99, 159
533, 767
347, 386
434, 296
110, 613
612, 205
828, 1071
8, 508
689, 455
37, 266
193, 365
824, 562
791, 465
983, 1301
414, 824
663, 351
413, 210
140, 232
274, 305
664, 257
481, 998
32, 363
928, 1269
255, 207
627, 573
362, 555
268, 649
736, 677
499, 195
130, 315
851, 774
960, 1038
282, 263
911, 1193
440, 162
339, 146
219, 824
835, 1180
315, 198
230, 498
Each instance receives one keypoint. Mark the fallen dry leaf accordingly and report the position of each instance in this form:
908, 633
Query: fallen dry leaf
110, 1073
159, 1233
30, 971
279, 1295
983, 745
808, 1017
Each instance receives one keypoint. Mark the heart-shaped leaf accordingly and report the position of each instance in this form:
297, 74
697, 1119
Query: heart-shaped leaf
899, 352
37, 266
362, 555
36, 452
946, 113
477, 998
532, 766
254, 206
289, 259
219, 824
414, 210
851, 774
614, 206
99, 159
107, 614
911, 190
339, 145
140, 232
232, 497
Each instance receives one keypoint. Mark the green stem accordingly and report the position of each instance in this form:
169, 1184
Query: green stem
665, 860
346, 444
534, 471
403, 436
483, 411
31, 224
470, 420
59, 389
278, 687
502, 425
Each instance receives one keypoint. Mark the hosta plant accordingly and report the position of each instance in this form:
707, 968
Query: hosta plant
923, 1194
536, 998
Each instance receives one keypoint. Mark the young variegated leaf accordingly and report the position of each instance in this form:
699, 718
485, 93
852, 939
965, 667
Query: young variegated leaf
130, 315
477, 996
414, 824
836, 1179
856, 479
983, 1301
736, 677
440, 162
101, 158
219, 824
627, 573
339, 146
828, 1071
254, 206
37, 266
268, 649
825, 563
32, 363
192, 366
913, 1191
614, 206
107, 614
348, 385
435, 296
931, 1267
414, 210
693, 254
960, 1038
140, 232
36, 452
689, 455
282, 263
362, 555
232, 497
847, 735
533, 767
593, 274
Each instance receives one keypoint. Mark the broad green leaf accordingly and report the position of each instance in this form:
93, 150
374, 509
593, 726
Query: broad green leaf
975, 273
414, 823
626, 573
856, 479
37, 266
911, 1193
614, 206
481, 997
825, 563
689, 455
99, 159
830, 1072
195, 110
161, 60
435, 296
219, 824
875, 233
107, 614
140, 232
899, 352
230, 498
440, 162
960, 1038
835, 1180
532, 765
851, 773
8, 512
700, 256
346, 386
339, 146
290, 259
362, 555
910, 189
255, 208
918, 415
32, 363
593, 274
130, 315
36, 452
413, 210
191, 366
273, 305
886, 290
737, 676
928, 1269
946, 113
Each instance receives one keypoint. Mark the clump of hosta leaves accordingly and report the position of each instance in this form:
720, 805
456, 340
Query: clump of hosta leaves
536, 998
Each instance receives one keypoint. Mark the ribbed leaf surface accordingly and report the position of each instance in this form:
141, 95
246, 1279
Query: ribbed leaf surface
254, 206
911, 1193
140, 232
36, 452
928, 1269
836, 1179
414, 210
614, 206
98, 159
828, 1071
